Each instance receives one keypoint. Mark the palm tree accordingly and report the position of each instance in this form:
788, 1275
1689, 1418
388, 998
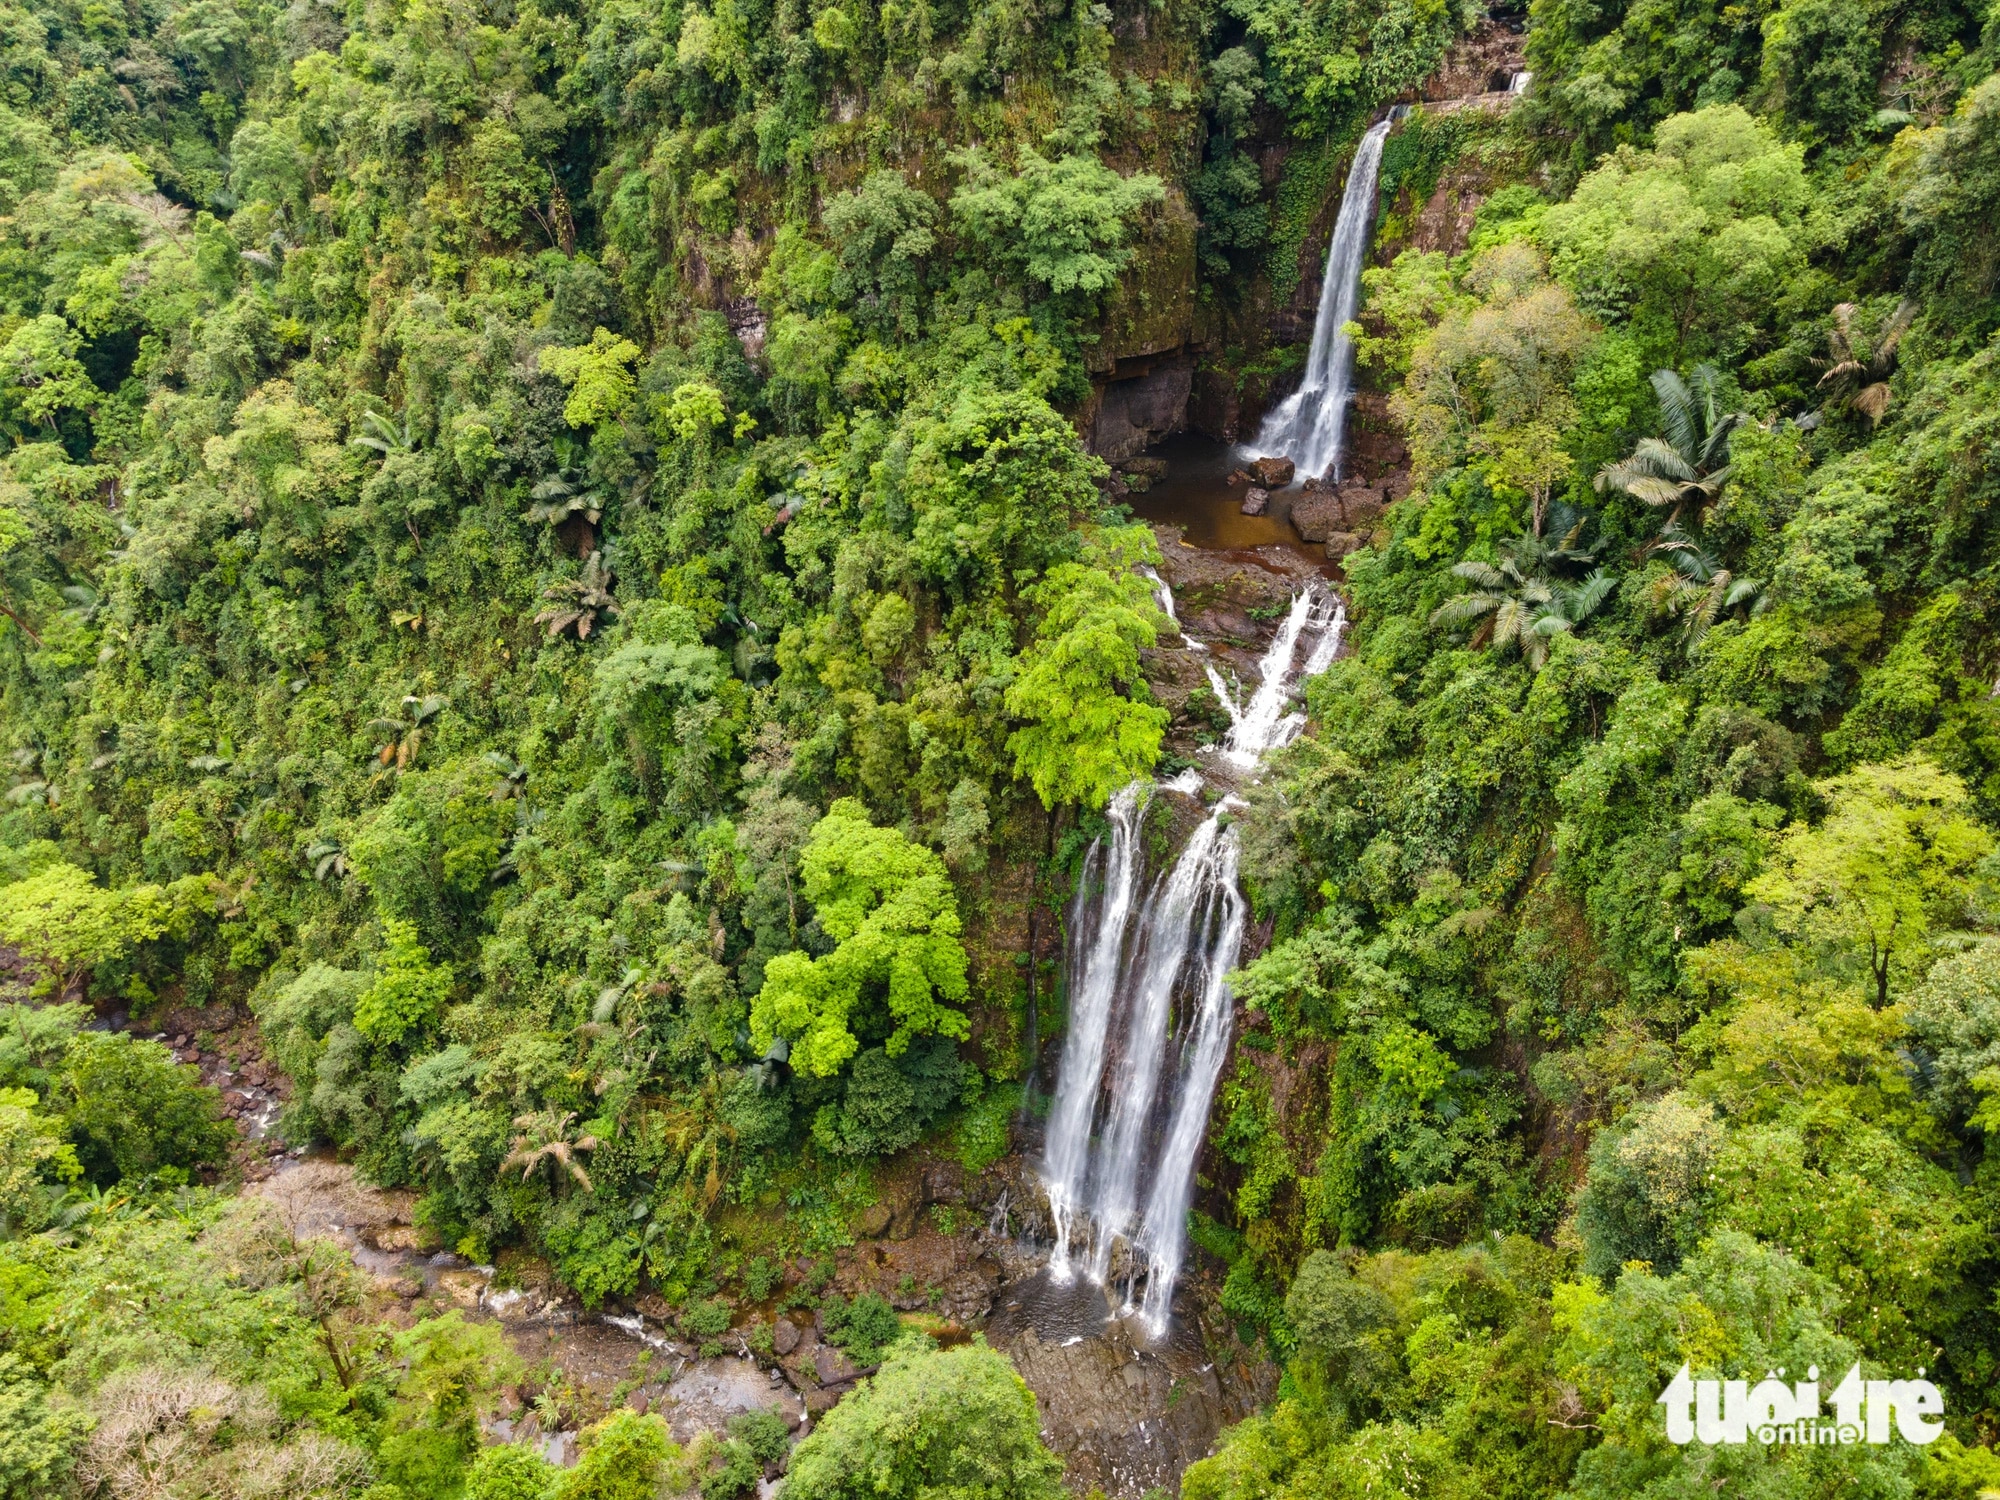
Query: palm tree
382, 435
546, 1135
401, 736
1700, 588
575, 603
1520, 603
1689, 463
1857, 376
566, 501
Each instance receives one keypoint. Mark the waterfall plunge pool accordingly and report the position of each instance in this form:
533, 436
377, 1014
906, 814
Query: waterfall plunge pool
1196, 496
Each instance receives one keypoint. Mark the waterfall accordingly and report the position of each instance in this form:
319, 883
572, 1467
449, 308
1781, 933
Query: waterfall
1168, 934
1310, 425
1094, 964
1202, 1050
1267, 723
1165, 598
1150, 1005
1518, 83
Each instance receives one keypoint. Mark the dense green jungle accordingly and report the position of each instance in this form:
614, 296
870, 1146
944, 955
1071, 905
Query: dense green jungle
576, 584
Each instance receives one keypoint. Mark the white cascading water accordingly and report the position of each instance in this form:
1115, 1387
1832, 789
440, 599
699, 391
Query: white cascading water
1203, 1045
1165, 598
1151, 1009
1094, 963
1169, 935
1268, 722
1310, 426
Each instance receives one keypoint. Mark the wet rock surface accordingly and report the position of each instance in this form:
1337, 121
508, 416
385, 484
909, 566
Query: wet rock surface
1319, 513
1127, 1411
600, 1360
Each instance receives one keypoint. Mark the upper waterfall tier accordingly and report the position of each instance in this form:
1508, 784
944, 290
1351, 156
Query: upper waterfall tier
1310, 425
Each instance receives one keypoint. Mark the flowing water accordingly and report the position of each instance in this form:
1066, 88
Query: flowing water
1096, 955
1151, 1009
1310, 426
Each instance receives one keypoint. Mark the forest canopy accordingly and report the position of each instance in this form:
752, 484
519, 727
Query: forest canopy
549, 565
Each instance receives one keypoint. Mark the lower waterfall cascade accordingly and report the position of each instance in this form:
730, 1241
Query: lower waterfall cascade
1150, 1005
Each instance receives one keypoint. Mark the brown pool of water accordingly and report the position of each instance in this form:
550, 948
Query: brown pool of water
1197, 496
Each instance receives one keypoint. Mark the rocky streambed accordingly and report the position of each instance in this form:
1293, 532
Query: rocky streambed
1128, 1414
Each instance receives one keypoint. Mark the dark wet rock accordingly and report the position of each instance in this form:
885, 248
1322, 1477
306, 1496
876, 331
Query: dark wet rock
968, 1296
1352, 507
785, 1336
833, 1367
1237, 476
1128, 1413
944, 1182
1273, 472
1256, 501
1152, 468
1137, 483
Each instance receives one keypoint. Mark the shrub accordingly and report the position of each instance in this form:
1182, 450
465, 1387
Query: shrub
131, 1111
951, 1422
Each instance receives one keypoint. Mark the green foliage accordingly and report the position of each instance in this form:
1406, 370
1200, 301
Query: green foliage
1085, 738
33, 1158
407, 992
1647, 1194
599, 377
132, 1112
69, 925
865, 1327
37, 1440
508, 1472
889, 907
1696, 241
483, 487
956, 1419
625, 1457
1062, 225
1887, 867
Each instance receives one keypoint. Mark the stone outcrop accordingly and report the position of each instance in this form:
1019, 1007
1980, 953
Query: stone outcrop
1256, 501
1132, 411
1353, 508
1273, 472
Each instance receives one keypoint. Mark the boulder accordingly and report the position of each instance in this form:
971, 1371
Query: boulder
1340, 543
1137, 482
1152, 468
874, 1220
785, 1336
1256, 501
833, 1367
1273, 472
1237, 476
1317, 514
